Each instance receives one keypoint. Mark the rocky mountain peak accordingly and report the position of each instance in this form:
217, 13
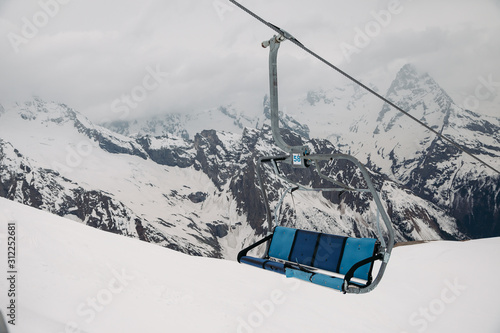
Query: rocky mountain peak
413, 85
418, 94
409, 78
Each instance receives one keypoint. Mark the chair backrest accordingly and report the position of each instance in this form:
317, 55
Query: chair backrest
324, 251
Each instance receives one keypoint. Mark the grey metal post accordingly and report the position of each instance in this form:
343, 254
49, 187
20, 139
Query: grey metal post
274, 44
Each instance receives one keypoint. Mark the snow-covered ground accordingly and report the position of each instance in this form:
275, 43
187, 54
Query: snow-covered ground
74, 278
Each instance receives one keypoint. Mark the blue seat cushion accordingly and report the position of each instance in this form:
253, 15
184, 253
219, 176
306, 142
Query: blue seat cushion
264, 263
329, 252
355, 250
304, 247
282, 243
290, 272
316, 278
324, 251
328, 281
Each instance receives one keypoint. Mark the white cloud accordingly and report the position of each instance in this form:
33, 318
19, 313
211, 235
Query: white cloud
91, 53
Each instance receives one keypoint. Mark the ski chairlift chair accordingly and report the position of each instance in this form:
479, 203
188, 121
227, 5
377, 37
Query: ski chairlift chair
313, 257
338, 262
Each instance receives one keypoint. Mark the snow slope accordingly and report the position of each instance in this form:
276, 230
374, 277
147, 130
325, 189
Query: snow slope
74, 278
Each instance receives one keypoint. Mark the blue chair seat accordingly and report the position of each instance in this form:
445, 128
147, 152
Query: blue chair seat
304, 251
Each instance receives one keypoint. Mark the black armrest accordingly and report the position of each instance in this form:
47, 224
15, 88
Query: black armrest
244, 252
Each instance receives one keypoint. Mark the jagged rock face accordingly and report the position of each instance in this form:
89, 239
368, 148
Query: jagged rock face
227, 159
476, 207
245, 190
168, 150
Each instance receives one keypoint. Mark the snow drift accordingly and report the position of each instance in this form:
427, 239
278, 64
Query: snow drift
74, 278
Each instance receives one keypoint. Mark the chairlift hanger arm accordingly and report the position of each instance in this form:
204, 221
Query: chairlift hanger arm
288, 36
274, 44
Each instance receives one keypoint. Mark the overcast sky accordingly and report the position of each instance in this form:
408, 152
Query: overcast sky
126, 58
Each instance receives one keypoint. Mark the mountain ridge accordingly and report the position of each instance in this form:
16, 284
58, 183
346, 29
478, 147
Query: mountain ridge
201, 196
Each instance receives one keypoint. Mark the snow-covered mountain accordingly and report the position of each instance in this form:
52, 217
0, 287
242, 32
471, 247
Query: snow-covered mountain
72, 278
198, 196
394, 145
197, 192
54, 159
415, 157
